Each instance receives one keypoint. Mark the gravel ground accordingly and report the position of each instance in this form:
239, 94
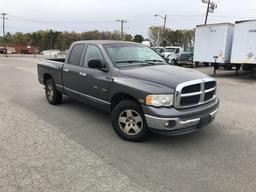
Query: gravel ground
37, 157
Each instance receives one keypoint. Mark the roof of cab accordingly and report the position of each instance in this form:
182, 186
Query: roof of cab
104, 42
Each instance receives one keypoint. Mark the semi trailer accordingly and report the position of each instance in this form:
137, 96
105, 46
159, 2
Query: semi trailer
244, 44
213, 43
228, 45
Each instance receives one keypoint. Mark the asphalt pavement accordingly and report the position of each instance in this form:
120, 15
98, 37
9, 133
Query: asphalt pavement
221, 157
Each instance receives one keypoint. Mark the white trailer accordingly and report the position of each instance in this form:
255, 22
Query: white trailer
244, 43
213, 43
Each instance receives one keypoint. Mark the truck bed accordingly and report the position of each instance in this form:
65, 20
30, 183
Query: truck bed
51, 67
61, 60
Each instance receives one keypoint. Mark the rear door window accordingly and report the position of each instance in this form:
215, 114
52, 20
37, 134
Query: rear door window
75, 55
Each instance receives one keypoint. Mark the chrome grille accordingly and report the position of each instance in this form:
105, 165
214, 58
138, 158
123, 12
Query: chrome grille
194, 93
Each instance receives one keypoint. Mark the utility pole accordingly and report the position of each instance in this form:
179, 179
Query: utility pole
207, 12
164, 18
211, 6
50, 41
4, 14
122, 21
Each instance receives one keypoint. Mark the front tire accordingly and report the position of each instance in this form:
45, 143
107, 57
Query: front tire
53, 96
129, 122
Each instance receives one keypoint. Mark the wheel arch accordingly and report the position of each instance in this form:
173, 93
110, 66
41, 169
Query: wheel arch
118, 97
46, 77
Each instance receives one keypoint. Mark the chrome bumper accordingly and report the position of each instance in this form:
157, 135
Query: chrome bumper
171, 124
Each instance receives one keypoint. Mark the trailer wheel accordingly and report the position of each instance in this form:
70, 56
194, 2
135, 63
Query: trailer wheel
206, 64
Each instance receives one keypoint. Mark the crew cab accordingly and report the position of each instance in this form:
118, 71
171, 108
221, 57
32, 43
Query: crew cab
132, 82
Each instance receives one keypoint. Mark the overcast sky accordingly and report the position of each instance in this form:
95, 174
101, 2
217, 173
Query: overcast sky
85, 15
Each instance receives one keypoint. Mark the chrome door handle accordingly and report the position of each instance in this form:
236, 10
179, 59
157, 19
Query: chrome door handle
82, 74
65, 70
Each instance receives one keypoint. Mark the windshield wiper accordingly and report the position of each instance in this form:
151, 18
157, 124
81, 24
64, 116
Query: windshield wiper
154, 60
142, 63
130, 61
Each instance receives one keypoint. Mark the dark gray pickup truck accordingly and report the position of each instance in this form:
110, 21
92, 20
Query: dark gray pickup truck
136, 85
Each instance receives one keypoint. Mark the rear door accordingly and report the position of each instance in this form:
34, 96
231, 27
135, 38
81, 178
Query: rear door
72, 70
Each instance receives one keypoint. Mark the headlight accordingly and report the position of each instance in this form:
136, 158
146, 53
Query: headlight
160, 100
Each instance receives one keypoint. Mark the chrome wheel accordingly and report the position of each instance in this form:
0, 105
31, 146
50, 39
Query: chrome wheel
50, 92
130, 122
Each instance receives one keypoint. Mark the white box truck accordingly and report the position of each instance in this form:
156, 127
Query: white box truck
244, 43
213, 43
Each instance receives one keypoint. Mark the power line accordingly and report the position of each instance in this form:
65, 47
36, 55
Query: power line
218, 16
18, 18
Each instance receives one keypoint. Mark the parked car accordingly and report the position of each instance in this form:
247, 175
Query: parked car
3, 50
186, 58
53, 52
147, 43
171, 53
135, 84
159, 50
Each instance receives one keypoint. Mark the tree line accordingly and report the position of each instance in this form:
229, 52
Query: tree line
50, 39
160, 36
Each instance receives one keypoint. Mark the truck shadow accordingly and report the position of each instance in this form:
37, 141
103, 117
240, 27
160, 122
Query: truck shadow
232, 74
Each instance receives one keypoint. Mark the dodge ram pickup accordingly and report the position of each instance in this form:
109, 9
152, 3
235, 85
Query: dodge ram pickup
132, 82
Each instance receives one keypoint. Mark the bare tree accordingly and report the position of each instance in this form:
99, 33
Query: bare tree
156, 35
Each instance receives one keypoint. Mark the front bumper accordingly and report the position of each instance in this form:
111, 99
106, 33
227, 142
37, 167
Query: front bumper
170, 121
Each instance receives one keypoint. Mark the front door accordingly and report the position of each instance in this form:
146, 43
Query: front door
95, 85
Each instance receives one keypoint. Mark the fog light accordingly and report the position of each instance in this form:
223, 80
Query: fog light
166, 124
170, 124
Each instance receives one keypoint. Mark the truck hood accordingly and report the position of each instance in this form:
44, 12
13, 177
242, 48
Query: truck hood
168, 53
166, 75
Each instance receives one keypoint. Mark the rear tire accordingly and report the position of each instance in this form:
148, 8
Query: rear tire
53, 96
173, 62
129, 122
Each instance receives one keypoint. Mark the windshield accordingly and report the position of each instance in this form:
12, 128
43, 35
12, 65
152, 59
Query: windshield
187, 54
170, 50
158, 50
129, 55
